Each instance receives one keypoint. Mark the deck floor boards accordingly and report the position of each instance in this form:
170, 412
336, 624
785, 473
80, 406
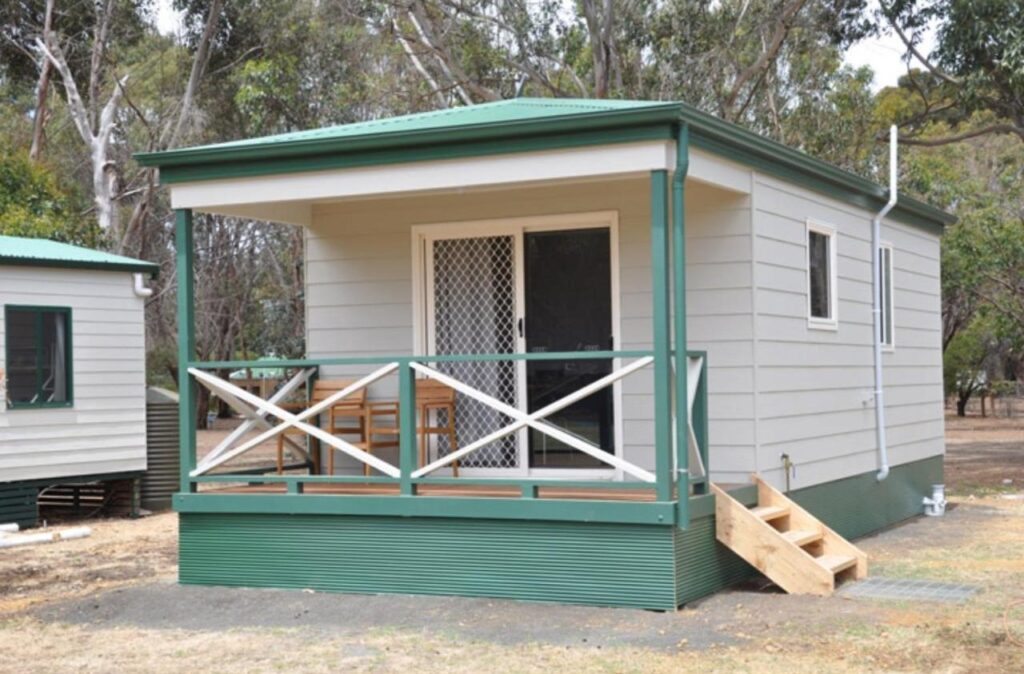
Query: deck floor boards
467, 491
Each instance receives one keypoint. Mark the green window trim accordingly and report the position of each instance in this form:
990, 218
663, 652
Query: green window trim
39, 312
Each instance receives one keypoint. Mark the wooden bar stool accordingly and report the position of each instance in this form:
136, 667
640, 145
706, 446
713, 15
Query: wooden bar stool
431, 396
346, 417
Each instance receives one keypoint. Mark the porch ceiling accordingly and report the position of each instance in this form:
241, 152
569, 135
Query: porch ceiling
290, 197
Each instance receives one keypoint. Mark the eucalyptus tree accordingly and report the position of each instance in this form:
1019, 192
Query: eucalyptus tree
977, 64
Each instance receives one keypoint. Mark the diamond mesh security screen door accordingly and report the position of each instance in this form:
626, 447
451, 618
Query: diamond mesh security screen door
474, 306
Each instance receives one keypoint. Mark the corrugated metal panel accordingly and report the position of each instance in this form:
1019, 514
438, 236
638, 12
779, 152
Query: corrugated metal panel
44, 252
859, 505
575, 563
18, 503
162, 476
508, 111
703, 565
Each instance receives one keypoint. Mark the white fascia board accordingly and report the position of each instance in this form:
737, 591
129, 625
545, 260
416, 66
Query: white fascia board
223, 195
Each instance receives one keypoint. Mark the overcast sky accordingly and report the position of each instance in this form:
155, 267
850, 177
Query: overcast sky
883, 54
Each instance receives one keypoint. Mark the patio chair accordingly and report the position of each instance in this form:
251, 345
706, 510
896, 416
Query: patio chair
346, 417
431, 397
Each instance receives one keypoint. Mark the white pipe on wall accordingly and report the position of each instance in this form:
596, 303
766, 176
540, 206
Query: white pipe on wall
140, 286
876, 266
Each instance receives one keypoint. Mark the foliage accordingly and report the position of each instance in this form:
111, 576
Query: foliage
963, 363
977, 65
34, 204
270, 66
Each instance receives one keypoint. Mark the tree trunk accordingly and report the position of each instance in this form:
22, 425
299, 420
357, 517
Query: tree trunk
961, 403
39, 120
202, 406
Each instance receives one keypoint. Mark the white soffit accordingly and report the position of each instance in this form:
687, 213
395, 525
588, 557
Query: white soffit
287, 197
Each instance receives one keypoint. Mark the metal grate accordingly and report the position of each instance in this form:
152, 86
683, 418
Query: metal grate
905, 589
475, 312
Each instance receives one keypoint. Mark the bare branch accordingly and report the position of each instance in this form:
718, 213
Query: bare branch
767, 57
99, 46
418, 65
76, 108
443, 59
967, 135
912, 48
42, 91
199, 63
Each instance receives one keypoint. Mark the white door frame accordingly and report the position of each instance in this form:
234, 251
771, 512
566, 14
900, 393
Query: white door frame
423, 313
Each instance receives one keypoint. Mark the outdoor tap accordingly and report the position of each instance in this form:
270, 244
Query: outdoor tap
788, 468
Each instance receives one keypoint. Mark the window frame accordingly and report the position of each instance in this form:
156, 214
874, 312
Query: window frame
887, 269
39, 310
818, 322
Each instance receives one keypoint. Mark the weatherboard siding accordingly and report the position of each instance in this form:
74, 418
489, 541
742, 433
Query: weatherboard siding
814, 395
105, 429
359, 290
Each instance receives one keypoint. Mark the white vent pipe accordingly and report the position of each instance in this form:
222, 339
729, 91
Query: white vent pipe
140, 286
876, 266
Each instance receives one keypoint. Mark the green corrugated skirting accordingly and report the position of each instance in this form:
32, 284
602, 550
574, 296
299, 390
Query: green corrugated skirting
19, 504
564, 562
604, 564
703, 565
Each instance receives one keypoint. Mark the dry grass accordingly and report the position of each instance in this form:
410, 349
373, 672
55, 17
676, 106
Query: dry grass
119, 552
980, 543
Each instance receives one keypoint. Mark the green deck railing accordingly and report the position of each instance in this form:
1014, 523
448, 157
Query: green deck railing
523, 488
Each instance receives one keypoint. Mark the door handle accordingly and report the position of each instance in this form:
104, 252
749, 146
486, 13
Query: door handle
519, 324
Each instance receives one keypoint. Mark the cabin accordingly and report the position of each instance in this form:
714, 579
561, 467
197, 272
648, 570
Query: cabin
578, 351
73, 375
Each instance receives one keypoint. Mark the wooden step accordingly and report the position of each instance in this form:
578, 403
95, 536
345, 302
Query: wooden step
802, 537
836, 563
776, 537
768, 513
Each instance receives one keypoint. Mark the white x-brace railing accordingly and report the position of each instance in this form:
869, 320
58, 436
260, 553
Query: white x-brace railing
254, 419
694, 367
234, 396
256, 410
536, 421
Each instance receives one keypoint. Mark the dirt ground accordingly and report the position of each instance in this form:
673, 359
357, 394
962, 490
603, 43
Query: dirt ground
110, 603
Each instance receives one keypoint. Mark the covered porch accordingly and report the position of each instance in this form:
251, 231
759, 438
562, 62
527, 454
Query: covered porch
544, 285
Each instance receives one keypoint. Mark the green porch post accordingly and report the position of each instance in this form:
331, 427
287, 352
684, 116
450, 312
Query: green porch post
186, 344
679, 316
406, 428
660, 326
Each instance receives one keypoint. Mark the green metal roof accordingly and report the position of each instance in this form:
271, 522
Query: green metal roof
463, 120
485, 114
45, 253
517, 125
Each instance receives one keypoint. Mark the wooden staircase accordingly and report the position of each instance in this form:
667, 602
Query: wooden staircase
785, 542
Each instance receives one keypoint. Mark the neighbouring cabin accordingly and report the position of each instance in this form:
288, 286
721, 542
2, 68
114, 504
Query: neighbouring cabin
73, 374
624, 301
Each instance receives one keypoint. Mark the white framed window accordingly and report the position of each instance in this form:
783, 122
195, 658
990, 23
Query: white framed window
887, 328
822, 296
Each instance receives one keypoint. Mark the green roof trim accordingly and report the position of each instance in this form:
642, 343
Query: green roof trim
17, 250
521, 125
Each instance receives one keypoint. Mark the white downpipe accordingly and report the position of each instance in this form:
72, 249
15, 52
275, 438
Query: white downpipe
11, 528
876, 267
9, 540
139, 286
